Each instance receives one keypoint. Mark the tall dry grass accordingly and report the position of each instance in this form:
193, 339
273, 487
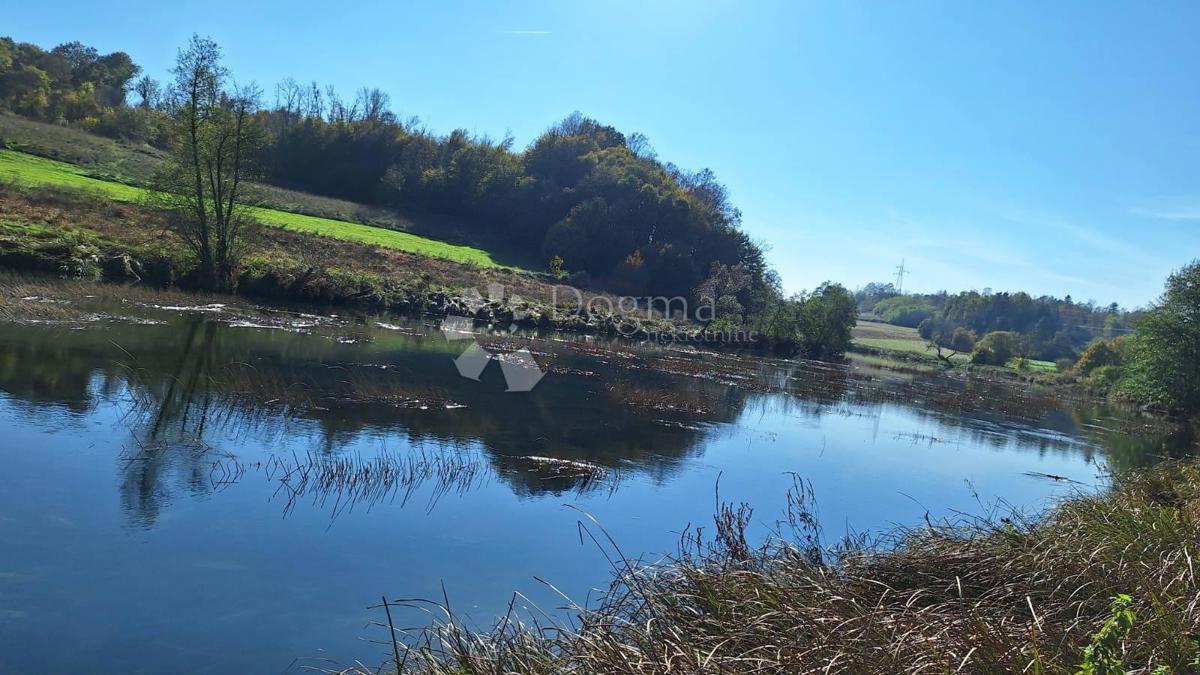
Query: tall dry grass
1002, 595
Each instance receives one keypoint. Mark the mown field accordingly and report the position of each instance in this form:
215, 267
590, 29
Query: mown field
878, 335
103, 157
136, 164
32, 171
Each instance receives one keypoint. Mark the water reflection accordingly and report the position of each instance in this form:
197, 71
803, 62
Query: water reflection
275, 473
195, 384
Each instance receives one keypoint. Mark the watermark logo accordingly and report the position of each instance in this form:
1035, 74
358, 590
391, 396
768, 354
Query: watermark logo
521, 371
661, 318
657, 319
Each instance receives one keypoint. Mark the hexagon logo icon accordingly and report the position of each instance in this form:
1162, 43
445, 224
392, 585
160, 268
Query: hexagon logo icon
473, 361
521, 371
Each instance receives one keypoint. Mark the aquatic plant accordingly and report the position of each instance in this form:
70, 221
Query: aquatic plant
999, 594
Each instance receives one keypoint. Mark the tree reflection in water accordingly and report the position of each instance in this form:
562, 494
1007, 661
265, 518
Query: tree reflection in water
196, 387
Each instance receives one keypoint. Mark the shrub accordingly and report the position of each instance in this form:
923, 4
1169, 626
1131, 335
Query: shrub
1105, 379
996, 348
1101, 353
905, 311
1104, 655
962, 340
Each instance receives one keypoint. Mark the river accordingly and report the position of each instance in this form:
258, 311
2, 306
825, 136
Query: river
208, 488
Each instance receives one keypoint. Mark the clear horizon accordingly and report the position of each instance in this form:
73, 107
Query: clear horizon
1048, 149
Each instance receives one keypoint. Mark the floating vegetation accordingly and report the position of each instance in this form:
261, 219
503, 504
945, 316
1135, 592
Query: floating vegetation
567, 468
34, 298
216, 307
1050, 476
560, 370
398, 329
679, 425
661, 399
918, 438
558, 475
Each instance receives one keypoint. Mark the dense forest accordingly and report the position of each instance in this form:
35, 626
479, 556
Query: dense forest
74, 84
1046, 328
582, 193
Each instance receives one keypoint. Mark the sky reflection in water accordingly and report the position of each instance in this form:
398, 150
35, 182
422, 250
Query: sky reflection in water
204, 494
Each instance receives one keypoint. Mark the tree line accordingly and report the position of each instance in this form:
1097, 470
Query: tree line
73, 84
1043, 328
1158, 364
596, 204
593, 198
1149, 356
597, 200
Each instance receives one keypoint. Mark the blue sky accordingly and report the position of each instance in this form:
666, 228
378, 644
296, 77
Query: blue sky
1048, 147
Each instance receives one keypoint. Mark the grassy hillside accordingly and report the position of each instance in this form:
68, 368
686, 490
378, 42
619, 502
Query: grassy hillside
28, 170
69, 233
135, 164
878, 335
103, 157
885, 336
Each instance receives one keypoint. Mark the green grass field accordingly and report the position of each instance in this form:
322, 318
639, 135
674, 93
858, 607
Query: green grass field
877, 335
123, 162
378, 236
1037, 366
134, 164
31, 171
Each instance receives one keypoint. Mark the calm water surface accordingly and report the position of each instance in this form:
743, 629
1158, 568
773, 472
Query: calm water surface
213, 489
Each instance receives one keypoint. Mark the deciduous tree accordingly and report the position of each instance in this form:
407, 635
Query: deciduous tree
1164, 354
202, 185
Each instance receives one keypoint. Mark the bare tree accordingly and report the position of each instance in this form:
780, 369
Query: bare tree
202, 183
639, 145
947, 359
289, 103
148, 89
338, 112
373, 105
316, 103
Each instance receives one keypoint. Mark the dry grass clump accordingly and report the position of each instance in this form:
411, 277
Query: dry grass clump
1004, 596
